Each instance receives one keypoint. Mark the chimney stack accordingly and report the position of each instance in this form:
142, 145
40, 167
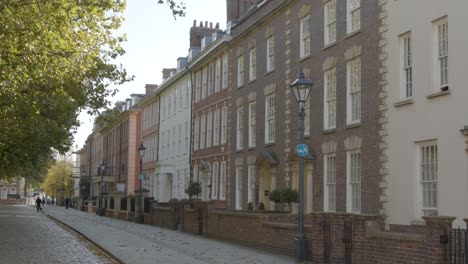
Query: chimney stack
149, 88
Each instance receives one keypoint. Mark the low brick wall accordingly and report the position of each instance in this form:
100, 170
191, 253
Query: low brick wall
13, 202
163, 217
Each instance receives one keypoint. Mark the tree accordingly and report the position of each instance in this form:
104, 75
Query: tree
178, 9
194, 189
58, 179
56, 59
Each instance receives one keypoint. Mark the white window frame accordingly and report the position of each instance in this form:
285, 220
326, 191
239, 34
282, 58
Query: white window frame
240, 128
441, 43
354, 181
329, 173
196, 139
353, 16
195, 173
253, 64
238, 187
218, 75
197, 86
204, 82
210, 79
329, 10
354, 91
270, 125
209, 128
304, 46
427, 177
214, 181
329, 99
187, 94
187, 130
225, 71
222, 181
251, 184
307, 117
202, 131
240, 71
224, 125
270, 50
252, 121
406, 59
216, 128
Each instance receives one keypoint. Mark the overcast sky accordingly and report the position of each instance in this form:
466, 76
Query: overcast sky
154, 41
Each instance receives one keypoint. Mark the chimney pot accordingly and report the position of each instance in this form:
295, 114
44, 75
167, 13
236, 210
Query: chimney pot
217, 25
211, 24
194, 22
201, 23
206, 24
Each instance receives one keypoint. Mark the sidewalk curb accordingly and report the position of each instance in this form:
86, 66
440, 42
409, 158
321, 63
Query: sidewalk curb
117, 259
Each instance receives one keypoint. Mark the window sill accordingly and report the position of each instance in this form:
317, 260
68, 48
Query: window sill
407, 101
251, 81
329, 131
441, 93
239, 150
418, 222
307, 135
329, 45
268, 72
353, 125
352, 34
251, 148
269, 144
240, 86
304, 58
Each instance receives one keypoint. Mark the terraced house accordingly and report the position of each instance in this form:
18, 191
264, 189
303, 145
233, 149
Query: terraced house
210, 112
339, 51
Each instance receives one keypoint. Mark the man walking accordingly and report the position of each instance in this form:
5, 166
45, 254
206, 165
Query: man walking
67, 203
38, 204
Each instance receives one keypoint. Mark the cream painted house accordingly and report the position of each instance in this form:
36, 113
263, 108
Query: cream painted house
427, 110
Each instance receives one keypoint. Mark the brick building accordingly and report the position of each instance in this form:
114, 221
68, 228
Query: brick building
210, 106
339, 52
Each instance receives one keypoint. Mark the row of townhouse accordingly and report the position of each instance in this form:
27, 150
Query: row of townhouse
386, 121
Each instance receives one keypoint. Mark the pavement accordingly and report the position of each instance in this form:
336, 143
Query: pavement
29, 237
141, 244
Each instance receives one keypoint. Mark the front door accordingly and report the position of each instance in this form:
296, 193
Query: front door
3, 193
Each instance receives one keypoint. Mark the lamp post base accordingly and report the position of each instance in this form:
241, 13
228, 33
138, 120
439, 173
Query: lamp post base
139, 218
101, 211
301, 248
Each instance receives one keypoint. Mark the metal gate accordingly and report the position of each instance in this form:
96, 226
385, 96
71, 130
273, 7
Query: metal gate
456, 246
327, 243
348, 241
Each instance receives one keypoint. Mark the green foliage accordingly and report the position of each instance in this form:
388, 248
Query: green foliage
58, 177
275, 196
178, 9
261, 206
193, 189
250, 206
56, 59
108, 116
289, 195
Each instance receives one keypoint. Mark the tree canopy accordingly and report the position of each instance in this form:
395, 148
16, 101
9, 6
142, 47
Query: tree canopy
58, 178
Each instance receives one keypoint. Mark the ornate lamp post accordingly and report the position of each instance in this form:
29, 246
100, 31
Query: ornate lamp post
141, 151
301, 89
100, 210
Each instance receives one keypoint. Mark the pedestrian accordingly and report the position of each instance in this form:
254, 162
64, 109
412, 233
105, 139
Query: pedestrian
67, 202
38, 204
43, 201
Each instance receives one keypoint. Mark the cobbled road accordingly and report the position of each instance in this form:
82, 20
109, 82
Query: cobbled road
29, 237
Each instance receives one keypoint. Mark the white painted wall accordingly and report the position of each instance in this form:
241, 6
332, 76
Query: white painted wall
439, 118
173, 167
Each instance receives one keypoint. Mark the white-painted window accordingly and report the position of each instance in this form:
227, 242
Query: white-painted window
252, 121
214, 182
353, 15
354, 91
239, 188
211, 79
330, 99
251, 184
216, 128
169, 104
209, 128
163, 146
407, 65
253, 64
187, 94
197, 86
330, 22
240, 71
224, 125
240, 128
204, 82
307, 117
330, 183
181, 96
173, 141
218, 75
270, 54
202, 131
354, 181
305, 37
196, 133
195, 173
179, 145
222, 181
225, 71
187, 136
441, 49
428, 178
270, 119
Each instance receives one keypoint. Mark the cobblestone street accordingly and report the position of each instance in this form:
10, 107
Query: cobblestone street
27, 236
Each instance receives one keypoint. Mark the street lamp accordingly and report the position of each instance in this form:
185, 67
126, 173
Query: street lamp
100, 210
141, 151
301, 89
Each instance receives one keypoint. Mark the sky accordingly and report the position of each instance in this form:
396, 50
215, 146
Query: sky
154, 41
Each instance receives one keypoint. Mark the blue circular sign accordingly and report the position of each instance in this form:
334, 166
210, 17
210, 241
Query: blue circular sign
302, 150
141, 177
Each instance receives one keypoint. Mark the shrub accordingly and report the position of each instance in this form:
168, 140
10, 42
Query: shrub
250, 206
193, 189
275, 196
289, 195
261, 206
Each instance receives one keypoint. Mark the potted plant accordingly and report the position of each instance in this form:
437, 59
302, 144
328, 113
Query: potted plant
193, 189
261, 206
289, 196
250, 206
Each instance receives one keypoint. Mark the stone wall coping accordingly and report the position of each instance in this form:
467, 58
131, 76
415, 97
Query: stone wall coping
243, 214
348, 215
163, 208
284, 225
439, 219
373, 230
465, 220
